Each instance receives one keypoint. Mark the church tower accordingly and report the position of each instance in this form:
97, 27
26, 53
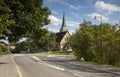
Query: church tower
62, 37
63, 27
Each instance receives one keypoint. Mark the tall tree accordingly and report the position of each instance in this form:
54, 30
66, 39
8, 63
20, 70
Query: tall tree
29, 16
5, 20
97, 43
51, 40
82, 45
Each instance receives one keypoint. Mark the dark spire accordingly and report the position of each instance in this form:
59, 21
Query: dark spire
63, 28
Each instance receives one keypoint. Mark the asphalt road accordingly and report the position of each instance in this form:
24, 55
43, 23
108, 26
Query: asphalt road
7, 67
24, 66
78, 70
31, 68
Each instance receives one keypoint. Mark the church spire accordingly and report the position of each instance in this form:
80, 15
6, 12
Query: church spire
63, 28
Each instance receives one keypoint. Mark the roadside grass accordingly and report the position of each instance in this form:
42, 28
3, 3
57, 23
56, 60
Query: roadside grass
3, 51
60, 52
68, 54
57, 53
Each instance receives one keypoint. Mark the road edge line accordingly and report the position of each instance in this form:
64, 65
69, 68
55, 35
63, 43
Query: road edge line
20, 75
77, 75
35, 58
46, 64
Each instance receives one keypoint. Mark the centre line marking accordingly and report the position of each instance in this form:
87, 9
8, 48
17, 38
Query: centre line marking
20, 75
78, 75
46, 64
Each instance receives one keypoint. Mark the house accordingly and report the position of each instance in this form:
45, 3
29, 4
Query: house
62, 37
3, 44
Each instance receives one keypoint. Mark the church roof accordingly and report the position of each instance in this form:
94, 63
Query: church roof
60, 36
63, 27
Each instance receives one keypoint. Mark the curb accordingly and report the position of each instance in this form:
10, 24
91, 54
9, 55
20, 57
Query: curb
36, 59
107, 71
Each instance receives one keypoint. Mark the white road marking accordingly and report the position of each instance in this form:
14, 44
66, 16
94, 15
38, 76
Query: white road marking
46, 64
78, 75
18, 54
56, 67
53, 66
8, 68
50, 55
20, 75
35, 58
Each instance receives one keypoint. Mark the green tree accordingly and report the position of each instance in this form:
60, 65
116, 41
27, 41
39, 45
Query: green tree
30, 16
51, 40
81, 41
97, 43
5, 20
22, 47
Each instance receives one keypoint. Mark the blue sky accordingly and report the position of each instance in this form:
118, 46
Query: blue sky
78, 10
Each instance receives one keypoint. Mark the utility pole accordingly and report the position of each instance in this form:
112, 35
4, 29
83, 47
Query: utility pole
101, 33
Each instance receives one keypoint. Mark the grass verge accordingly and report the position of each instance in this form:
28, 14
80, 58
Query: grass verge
57, 53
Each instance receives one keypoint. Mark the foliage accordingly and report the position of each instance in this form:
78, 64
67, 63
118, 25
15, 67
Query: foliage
97, 43
48, 41
51, 40
36, 44
24, 18
5, 20
3, 50
57, 53
29, 16
22, 47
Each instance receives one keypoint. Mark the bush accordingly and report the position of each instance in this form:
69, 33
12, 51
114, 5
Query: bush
96, 45
3, 50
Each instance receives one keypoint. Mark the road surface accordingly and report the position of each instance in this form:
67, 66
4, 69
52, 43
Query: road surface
82, 69
22, 65
30, 68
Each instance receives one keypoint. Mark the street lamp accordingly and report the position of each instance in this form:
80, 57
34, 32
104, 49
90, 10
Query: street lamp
119, 21
100, 17
101, 32
118, 24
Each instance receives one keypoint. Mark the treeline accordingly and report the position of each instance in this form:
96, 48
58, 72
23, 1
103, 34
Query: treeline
24, 18
29, 46
3, 50
97, 43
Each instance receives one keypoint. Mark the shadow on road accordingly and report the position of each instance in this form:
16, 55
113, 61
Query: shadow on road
69, 65
3, 63
74, 65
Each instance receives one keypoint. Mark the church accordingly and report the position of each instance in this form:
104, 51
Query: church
62, 37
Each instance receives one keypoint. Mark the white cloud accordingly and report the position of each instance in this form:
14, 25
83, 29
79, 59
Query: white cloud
74, 7
76, 15
59, 1
22, 39
54, 12
55, 1
53, 30
99, 17
107, 7
65, 3
71, 25
54, 20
